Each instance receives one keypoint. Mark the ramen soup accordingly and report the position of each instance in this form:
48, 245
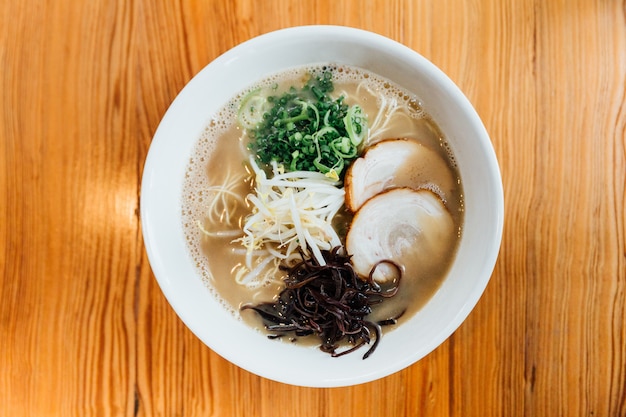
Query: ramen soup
398, 198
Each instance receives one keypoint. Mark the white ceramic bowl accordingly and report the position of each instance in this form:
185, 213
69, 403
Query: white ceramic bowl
214, 86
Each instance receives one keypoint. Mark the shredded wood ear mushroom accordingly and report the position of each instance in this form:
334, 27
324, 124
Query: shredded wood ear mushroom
330, 301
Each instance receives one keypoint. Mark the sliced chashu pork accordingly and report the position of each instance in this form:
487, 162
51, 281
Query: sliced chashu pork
409, 227
396, 163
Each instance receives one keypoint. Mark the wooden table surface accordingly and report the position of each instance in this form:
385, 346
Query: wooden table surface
84, 327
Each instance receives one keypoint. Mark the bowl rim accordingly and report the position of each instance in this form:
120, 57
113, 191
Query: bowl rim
162, 143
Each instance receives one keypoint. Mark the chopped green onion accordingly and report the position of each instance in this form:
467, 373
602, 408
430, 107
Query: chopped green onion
289, 130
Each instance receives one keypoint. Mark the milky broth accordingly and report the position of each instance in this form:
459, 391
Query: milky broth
220, 155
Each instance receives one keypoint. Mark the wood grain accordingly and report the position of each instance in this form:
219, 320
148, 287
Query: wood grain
84, 328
